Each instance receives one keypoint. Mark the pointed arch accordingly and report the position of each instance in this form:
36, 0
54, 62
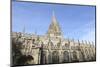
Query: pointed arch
55, 57
44, 57
49, 58
75, 59
65, 56
81, 56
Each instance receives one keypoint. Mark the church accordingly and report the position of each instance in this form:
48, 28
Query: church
53, 48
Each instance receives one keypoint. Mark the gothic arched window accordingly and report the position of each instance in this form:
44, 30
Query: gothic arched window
44, 57
81, 56
55, 57
75, 59
66, 56
49, 58
87, 53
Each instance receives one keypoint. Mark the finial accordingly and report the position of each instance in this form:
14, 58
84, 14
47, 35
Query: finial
85, 42
53, 13
68, 38
35, 32
89, 43
24, 29
78, 42
82, 42
53, 17
92, 43
38, 38
73, 39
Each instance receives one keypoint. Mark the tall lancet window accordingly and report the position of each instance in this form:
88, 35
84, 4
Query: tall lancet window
44, 57
66, 56
75, 59
55, 57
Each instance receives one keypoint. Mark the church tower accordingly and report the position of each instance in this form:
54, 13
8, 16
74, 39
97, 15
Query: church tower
54, 28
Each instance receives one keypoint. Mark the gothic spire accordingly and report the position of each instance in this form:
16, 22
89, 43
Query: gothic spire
54, 18
54, 28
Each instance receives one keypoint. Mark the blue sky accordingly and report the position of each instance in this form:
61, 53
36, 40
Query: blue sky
76, 21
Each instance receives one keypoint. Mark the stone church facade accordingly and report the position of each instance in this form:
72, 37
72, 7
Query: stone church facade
53, 48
